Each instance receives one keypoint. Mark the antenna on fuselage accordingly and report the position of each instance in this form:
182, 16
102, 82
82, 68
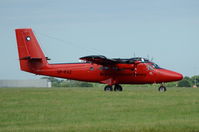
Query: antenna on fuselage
71, 44
148, 57
152, 58
134, 54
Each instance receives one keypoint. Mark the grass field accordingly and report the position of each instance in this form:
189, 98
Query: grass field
93, 110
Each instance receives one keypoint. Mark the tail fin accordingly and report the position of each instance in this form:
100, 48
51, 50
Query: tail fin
30, 54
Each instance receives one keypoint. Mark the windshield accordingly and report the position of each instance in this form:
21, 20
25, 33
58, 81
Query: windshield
156, 66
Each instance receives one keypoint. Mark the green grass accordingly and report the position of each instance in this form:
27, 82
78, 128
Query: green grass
93, 110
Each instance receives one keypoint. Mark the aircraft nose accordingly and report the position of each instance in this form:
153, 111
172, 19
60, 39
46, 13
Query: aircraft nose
177, 76
169, 76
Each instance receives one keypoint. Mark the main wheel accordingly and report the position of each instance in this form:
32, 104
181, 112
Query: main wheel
118, 88
162, 89
108, 88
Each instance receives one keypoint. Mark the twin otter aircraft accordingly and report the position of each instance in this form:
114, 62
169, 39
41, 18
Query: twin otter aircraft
112, 72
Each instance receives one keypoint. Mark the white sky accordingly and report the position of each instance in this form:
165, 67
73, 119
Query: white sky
166, 30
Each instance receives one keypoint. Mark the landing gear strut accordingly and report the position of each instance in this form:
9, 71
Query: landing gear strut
117, 87
162, 88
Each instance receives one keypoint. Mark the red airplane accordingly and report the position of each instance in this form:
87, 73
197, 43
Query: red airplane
97, 68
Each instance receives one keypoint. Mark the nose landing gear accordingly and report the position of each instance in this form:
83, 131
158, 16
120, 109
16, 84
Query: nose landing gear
162, 88
117, 87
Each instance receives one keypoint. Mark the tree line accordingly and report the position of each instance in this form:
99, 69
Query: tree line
67, 83
189, 81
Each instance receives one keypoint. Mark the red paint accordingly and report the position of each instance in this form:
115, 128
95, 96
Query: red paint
101, 70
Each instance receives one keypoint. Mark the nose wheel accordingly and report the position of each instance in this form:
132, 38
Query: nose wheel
117, 87
162, 88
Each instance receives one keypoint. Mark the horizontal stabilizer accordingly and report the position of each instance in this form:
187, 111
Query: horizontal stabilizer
30, 58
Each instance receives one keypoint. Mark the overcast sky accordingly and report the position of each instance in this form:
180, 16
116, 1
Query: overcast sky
165, 30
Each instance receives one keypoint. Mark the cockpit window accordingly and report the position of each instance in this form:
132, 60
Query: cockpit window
150, 67
156, 66
131, 60
142, 60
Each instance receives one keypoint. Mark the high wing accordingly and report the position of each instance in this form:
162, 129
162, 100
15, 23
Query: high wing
99, 59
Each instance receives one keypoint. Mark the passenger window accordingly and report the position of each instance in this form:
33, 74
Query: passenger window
101, 68
106, 68
115, 68
91, 68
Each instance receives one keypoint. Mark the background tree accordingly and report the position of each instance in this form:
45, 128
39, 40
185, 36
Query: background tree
185, 82
195, 80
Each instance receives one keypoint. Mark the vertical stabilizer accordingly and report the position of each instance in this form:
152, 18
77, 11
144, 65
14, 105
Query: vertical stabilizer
30, 54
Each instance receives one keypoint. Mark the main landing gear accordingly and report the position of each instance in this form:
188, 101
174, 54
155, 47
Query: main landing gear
162, 88
117, 87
